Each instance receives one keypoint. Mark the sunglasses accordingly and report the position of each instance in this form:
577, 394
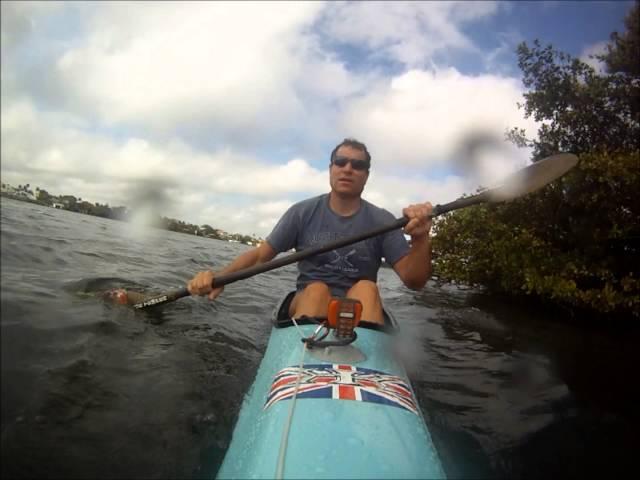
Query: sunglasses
355, 164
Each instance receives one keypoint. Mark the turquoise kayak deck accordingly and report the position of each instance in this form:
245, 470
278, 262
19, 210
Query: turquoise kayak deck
350, 433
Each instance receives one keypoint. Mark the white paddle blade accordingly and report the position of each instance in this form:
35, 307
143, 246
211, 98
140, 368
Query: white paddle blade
533, 177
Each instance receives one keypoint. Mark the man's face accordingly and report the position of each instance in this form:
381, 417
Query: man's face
346, 180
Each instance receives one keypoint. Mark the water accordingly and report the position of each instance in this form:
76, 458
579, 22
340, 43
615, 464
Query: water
91, 390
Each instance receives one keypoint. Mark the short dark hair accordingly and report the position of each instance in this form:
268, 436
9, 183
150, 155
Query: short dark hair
353, 143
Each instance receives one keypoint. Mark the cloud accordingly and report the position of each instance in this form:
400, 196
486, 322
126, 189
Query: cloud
406, 32
590, 51
503, 59
395, 192
267, 180
258, 218
21, 23
19, 19
227, 70
195, 185
56, 151
225, 109
420, 118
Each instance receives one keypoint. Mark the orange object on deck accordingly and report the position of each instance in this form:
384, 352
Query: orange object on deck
344, 315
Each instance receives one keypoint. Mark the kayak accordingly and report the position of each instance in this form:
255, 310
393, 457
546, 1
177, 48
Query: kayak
340, 411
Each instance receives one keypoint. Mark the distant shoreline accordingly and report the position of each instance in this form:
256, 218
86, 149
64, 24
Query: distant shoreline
77, 205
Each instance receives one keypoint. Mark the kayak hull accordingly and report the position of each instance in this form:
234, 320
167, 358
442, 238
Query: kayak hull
349, 420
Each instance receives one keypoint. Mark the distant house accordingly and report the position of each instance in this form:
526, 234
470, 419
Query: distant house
27, 195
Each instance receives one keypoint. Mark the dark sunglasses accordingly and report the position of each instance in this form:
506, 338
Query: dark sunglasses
355, 164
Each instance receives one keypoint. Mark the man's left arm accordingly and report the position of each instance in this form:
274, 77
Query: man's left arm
415, 268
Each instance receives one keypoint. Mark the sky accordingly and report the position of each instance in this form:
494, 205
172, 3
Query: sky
226, 113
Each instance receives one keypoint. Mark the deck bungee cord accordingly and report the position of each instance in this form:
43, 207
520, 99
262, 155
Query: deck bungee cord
343, 316
287, 426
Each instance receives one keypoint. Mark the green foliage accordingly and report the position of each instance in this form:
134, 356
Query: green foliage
540, 245
623, 53
577, 241
581, 111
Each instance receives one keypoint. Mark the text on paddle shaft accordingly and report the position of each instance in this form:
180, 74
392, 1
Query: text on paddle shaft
152, 301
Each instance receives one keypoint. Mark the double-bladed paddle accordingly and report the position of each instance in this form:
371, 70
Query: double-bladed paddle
516, 185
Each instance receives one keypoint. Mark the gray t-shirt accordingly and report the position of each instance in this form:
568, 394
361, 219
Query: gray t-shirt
311, 222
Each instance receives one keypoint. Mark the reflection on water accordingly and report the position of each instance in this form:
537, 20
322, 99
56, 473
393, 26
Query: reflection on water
515, 393
97, 390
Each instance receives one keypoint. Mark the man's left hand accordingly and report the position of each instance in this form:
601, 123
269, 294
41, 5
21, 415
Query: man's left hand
420, 221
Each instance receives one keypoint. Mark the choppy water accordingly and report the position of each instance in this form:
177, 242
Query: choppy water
91, 390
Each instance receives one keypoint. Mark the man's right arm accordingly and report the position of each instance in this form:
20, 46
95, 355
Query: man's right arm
201, 283
282, 238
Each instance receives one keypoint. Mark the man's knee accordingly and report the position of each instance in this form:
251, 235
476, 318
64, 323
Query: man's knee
311, 301
367, 292
365, 286
317, 288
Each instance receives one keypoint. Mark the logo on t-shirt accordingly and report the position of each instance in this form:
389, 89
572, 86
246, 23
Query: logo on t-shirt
341, 262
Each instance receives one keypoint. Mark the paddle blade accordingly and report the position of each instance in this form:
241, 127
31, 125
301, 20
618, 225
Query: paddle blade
123, 297
533, 177
117, 295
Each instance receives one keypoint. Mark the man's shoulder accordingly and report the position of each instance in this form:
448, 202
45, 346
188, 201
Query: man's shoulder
377, 212
282, 237
309, 204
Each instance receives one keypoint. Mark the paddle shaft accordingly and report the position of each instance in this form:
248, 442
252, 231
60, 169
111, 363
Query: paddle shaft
225, 279
520, 183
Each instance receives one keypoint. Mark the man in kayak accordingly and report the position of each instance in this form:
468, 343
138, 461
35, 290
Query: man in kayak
349, 271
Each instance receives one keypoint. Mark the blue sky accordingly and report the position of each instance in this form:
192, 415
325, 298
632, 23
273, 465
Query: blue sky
230, 110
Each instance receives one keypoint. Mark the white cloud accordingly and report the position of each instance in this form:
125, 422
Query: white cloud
258, 218
185, 101
396, 193
406, 32
502, 59
229, 68
421, 117
252, 178
53, 152
192, 184
596, 49
18, 19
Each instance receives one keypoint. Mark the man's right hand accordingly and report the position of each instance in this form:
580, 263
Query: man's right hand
201, 285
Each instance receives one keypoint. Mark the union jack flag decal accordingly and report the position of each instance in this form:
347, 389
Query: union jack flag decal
341, 382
